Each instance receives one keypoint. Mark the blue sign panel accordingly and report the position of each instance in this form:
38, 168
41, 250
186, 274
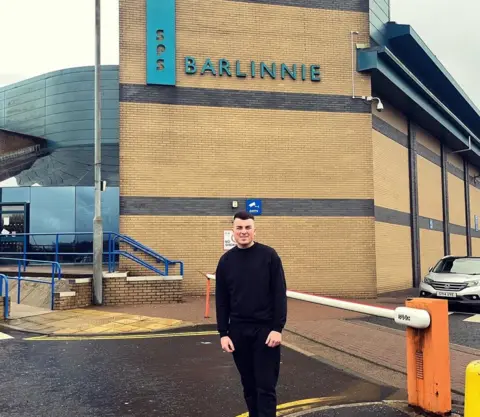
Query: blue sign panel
254, 207
161, 43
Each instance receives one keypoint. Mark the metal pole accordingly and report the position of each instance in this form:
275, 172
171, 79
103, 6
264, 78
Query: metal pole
97, 221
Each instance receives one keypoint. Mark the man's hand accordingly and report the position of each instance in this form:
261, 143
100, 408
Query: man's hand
274, 339
227, 344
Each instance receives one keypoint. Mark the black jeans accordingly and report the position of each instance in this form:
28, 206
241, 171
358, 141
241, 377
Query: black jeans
259, 367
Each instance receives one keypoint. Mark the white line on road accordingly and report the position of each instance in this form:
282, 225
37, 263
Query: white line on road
4, 336
473, 319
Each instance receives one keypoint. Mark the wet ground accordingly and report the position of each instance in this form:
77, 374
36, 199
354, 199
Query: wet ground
163, 375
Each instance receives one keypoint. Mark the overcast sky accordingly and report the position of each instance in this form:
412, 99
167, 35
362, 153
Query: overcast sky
38, 36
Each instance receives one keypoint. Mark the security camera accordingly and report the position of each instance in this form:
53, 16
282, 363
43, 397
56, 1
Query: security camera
379, 105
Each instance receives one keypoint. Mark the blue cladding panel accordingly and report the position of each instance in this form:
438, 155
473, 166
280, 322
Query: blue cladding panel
379, 16
2, 108
60, 106
161, 66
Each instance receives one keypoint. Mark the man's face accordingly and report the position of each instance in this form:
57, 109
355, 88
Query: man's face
244, 232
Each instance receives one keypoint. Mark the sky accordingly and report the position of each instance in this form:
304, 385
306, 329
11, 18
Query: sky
38, 36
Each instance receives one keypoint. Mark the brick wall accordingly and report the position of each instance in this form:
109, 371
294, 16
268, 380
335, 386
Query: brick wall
78, 296
319, 254
431, 249
392, 191
2, 305
201, 147
224, 29
119, 291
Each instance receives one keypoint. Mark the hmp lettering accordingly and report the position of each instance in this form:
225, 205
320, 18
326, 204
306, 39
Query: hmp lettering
225, 68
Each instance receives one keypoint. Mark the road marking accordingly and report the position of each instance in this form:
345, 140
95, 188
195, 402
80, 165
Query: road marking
473, 319
299, 405
118, 337
4, 336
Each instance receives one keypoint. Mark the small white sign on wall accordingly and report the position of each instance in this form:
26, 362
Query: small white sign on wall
228, 240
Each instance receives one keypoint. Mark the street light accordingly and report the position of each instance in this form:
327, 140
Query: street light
97, 220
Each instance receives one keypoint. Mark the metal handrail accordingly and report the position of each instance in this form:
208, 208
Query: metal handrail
4, 279
113, 239
143, 248
56, 273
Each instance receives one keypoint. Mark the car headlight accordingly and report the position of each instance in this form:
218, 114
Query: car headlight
473, 283
427, 280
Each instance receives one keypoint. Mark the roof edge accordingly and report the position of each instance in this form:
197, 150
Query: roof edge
395, 30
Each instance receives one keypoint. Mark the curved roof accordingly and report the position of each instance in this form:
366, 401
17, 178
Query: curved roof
59, 106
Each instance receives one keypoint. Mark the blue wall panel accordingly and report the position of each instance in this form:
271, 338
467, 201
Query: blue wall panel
161, 44
60, 104
379, 16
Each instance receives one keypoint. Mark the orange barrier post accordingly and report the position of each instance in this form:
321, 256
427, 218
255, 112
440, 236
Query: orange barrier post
428, 359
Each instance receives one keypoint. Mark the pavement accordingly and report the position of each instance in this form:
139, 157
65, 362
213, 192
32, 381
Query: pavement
88, 321
174, 374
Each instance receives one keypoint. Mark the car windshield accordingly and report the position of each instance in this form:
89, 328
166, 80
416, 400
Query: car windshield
469, 266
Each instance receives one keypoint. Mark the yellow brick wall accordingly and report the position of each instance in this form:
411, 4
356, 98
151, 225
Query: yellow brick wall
429, 189
474, 200
246, 31
332, 256
392, 116
195, 152
394, 257
475, 246
431, 249
427, 140
456, 200
190, 151
391, 178
458, 245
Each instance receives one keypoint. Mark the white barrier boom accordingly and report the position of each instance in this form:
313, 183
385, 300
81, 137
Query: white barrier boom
411, 317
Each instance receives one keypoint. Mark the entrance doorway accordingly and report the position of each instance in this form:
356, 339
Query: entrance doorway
14, 224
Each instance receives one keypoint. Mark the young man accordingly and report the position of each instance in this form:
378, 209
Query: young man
251, 303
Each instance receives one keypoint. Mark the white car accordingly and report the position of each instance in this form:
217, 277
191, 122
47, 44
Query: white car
454, 278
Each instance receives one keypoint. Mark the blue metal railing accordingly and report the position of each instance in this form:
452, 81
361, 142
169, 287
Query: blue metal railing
112, 252
56, 273
3, 279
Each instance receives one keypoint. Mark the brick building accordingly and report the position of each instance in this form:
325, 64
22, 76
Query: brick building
356, 201
361, 148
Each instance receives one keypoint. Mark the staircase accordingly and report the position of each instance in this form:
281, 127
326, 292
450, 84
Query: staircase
135, 274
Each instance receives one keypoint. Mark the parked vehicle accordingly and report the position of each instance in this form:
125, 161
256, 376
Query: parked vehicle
454, 278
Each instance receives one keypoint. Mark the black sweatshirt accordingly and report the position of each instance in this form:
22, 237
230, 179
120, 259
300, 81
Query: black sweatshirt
250, 289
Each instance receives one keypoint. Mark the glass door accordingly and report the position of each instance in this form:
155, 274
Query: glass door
13, 226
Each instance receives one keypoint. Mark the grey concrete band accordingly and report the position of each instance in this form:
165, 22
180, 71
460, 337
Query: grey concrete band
400, 218
213, 97
191, 206
344, 5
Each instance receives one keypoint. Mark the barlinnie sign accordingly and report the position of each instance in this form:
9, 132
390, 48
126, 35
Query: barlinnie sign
252, 69
161, 55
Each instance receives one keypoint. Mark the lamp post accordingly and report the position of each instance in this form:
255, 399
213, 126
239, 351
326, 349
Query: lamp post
97, 220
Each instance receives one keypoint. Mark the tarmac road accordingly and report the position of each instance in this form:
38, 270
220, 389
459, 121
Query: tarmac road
160, 375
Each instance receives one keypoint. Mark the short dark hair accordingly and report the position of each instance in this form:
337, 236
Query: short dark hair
243, 215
